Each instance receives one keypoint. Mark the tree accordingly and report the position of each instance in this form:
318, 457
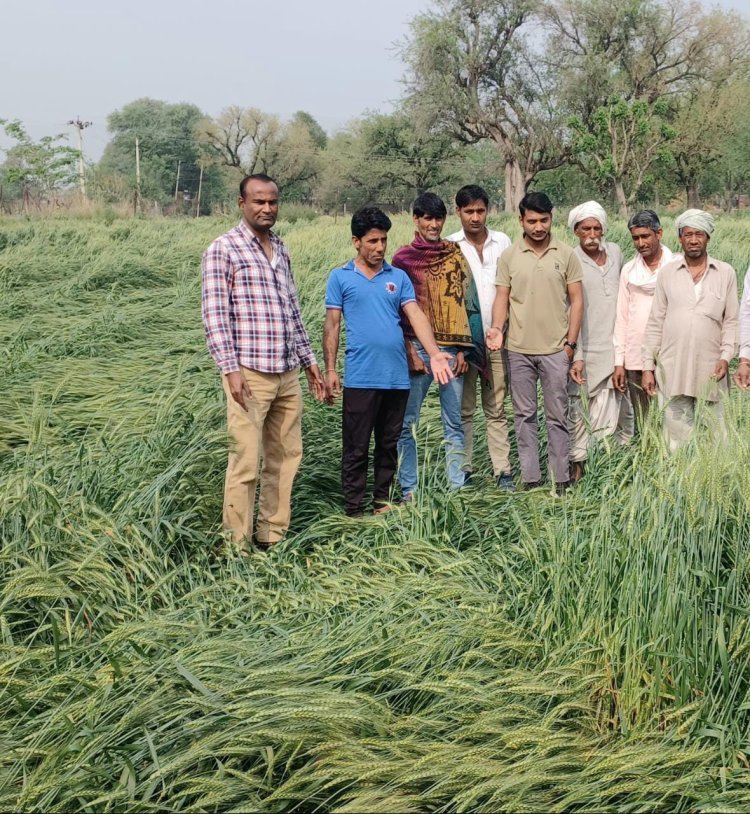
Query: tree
167, 138
704, 125
729, 175
317, 133
37, 168
249, 141
621, 143
240, 137
384, 158
632, 75
473, 74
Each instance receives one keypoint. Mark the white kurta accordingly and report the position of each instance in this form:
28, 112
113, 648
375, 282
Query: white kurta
597, 416
595, 343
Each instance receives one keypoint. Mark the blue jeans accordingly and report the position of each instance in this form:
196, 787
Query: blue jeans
451, 395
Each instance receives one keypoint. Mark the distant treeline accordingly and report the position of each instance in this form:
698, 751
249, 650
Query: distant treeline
636, 103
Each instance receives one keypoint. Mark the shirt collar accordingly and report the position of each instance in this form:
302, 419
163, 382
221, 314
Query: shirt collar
682, 263
250, 235
553, 244
491, 237
351, 266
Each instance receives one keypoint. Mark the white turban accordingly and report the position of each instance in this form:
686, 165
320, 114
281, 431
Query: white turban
590, 209
696, 219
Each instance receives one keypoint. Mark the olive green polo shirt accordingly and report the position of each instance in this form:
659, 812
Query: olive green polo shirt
538, 321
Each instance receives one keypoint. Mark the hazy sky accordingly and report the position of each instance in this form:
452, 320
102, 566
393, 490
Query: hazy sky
334, 58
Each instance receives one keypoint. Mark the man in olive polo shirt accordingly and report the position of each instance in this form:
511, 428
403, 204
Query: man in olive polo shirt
539, 288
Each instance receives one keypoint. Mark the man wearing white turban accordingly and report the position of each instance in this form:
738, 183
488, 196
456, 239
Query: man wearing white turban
595, 404
691, 334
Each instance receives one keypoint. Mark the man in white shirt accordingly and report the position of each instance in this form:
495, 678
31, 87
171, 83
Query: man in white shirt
742, 376
482, 248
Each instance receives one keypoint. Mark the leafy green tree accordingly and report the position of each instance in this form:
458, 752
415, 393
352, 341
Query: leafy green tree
729, 175
384, 158
621, 144
35, 170
167, 138
636, 79
317, 133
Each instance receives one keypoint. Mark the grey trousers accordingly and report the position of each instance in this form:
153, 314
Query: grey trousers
552, 371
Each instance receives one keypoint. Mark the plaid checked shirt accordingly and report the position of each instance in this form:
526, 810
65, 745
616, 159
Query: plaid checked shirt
250, 308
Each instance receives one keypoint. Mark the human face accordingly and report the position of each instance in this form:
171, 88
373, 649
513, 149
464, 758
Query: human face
589, 232
473, 219
646, 241
536, 225
429, 226
371, 247
260, 205
694, 242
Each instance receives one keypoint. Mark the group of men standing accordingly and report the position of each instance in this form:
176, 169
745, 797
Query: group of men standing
473, 310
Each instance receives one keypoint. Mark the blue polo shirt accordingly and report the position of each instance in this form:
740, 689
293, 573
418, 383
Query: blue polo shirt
375, 355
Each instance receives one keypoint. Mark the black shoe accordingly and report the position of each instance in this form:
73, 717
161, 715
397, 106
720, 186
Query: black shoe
535, 484
467, 478
505, 482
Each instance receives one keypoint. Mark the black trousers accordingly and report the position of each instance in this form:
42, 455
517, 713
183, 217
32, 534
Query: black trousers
364, 411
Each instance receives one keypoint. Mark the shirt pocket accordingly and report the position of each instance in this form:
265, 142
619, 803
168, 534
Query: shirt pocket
712, 304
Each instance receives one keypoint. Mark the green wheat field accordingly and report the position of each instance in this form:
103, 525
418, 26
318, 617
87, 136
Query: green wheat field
472, 652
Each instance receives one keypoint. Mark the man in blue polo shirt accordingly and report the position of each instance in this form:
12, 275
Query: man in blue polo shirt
371, 295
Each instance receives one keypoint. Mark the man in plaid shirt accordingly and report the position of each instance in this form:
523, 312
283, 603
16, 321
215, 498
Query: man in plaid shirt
255, 335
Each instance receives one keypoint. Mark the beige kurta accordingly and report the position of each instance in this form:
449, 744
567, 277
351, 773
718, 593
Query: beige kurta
688, 332
595, 343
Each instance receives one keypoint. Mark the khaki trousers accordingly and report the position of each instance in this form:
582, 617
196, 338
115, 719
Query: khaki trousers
270, 429
493, 400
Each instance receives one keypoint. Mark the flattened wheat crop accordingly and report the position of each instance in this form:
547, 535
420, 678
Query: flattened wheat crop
472, 652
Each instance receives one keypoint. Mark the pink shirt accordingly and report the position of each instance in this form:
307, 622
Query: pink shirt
633, 307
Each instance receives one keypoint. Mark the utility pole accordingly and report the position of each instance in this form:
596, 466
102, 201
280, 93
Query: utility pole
177, 182
137, 176
80, 126
200, 187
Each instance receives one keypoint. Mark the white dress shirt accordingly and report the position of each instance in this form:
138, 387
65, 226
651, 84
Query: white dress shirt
484, 270
745, 318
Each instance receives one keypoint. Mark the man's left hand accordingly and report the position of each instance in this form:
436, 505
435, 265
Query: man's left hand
461, 365
440, 365
316, 383
720, 370
571, 353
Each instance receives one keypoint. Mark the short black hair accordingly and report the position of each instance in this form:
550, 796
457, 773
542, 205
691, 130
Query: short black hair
470, 193
256, 176
369, 217
536, 202
645, 219
430, 205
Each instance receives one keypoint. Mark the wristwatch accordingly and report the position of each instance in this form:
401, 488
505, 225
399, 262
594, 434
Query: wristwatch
571, 345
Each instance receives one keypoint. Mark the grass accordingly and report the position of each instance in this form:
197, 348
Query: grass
477, 651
